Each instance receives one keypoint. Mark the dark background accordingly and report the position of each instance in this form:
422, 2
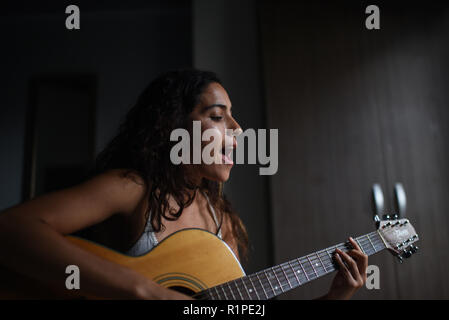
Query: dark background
353, 107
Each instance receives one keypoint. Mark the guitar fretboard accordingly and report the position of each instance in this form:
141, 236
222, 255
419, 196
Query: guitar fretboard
276, 280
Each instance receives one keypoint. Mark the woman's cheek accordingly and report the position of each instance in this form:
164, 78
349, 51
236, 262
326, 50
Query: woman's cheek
213, 140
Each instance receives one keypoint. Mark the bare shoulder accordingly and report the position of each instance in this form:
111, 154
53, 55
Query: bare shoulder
119, 181
122, 189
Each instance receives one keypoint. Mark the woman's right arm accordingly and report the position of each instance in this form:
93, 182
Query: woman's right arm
32, 238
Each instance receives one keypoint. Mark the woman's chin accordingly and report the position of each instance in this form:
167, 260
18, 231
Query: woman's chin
220, 175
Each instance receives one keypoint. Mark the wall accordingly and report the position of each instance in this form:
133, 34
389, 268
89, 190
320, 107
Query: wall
225, 40
124, 45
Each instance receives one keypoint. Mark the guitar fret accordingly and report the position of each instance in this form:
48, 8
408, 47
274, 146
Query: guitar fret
316, 274
218, 294
325, 271
321, 269
369, 247
381, 240
269, 282
277, 279
238, 290
331, 257
294, 273
303, 273
361, 247
266, 295
246, 289
329, 262
372, 244
230, 289
285, 275
302, 267
307, 268
224, 291
255, 289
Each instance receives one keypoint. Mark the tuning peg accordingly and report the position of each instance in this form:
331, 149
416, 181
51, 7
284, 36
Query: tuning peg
377, 221
395, 217
407, 254
413, 249
386, 217
400, 259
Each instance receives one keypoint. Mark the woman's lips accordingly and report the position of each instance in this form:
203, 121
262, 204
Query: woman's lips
226, 159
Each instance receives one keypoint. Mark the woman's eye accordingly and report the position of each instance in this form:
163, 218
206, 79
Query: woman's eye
216, 118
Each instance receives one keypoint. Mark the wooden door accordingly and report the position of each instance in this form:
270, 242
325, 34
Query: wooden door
319, 96
356, 107
415, 131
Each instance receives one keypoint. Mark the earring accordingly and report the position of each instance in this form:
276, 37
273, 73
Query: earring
220, 189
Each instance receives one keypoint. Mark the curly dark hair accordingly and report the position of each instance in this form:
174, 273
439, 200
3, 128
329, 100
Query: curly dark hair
143, 146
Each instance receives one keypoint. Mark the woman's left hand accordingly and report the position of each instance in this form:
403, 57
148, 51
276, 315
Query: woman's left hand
351, 275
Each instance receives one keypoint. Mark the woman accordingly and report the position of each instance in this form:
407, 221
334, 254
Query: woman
137, 197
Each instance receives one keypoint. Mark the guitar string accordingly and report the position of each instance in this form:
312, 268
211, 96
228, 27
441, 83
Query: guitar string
322, 269
365, 242
368, 245
279, 269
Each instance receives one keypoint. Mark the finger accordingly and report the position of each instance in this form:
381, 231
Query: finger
342, 267
352, 265
361, 260
354, 244
360, 257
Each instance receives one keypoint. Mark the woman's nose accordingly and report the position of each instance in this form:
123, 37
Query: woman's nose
237, 132
236, 129
234, 132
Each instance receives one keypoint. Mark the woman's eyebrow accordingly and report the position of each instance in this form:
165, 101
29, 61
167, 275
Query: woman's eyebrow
222, 106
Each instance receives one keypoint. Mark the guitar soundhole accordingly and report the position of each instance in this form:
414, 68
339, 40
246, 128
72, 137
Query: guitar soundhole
184, 290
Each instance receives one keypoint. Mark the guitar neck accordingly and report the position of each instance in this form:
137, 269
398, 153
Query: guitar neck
276, 280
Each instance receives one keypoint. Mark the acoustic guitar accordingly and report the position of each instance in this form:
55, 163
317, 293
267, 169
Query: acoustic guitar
197, 262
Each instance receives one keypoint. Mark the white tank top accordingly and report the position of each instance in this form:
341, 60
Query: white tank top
148, 240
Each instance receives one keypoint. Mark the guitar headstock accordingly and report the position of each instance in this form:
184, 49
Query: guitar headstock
399, 236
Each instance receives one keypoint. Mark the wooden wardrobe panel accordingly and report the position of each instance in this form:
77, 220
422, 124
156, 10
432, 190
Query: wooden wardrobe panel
319, 95
416, 127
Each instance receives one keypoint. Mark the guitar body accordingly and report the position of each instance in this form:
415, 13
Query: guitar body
190, 260
196, 261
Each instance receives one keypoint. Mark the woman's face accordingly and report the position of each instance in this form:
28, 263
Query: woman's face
214, 112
